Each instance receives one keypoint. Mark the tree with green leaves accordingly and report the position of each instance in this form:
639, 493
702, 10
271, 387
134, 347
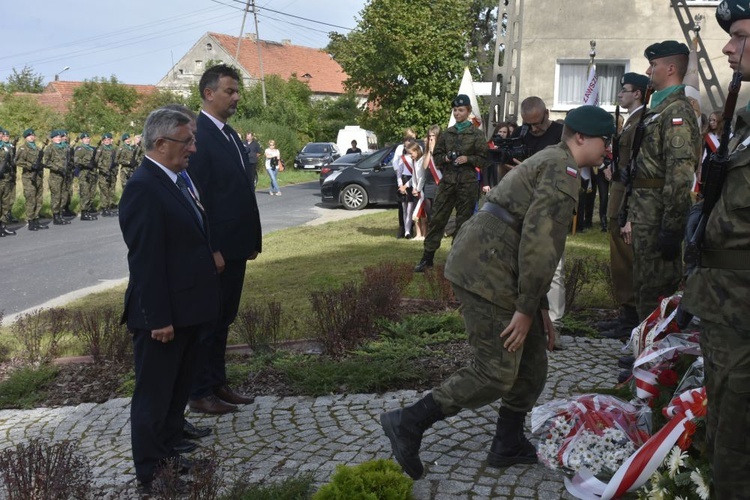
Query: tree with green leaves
409, 56
19, 112
26, 80
101, 105
331, 115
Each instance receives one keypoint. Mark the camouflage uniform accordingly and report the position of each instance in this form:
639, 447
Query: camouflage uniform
717, 293
661, 195
55, 159
87, 178
459, 186
7, 181
125, 159
107, 177
67, 189
27, 155
497, 269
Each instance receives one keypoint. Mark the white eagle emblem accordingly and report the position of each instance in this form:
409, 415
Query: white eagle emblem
723, 11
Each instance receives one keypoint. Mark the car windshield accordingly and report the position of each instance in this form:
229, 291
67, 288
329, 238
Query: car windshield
351, 158
316, 148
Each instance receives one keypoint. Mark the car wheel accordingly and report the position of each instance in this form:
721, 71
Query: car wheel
354, 197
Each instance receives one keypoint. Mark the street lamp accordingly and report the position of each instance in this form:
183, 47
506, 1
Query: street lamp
57, 76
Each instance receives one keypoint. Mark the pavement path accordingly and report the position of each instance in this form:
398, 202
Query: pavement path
275, 438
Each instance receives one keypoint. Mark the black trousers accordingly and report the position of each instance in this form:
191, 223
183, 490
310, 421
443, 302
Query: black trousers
163, 376
210, 370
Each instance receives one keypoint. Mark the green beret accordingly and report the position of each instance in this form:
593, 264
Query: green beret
125, 136
55, 133
591, 120
730, 11
83, 135
107, 135
665, 49
63, 132
28, 132
461, 100
639, 82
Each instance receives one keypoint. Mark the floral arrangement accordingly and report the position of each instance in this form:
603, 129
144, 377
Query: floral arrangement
681, 476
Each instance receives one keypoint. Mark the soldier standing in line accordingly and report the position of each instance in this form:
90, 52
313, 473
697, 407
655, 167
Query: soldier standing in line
7, 183
107, 173
6, 139
87, 179
501, 266
68, 212
630, 98
55, 160
660, 201
28, 159
139, 153
718, 289
125, 159
459, 151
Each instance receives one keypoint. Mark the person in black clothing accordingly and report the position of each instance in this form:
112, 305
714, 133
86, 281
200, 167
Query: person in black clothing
354, 149
542, 131
253, 150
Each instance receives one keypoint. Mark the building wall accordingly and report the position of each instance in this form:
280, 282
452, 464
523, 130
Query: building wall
561, 31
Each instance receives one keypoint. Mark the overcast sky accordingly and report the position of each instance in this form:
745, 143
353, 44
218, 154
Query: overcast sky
137, 40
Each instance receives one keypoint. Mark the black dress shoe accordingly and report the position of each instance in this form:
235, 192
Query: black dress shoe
184, 446
226, 393
189, 431
211, 405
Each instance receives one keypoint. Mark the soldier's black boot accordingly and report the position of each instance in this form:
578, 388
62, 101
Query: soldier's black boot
33, 225
11, 219
87, 216
405, 427
510, 445
4, 231
40, 225
57, 220
426, 262
68, 214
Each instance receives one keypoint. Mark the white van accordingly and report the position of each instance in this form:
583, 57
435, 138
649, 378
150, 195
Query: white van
367, 141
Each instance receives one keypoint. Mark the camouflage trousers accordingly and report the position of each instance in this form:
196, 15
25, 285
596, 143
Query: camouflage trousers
126, 172
107, 190
621, 265
67, 191
653, 277
463, 196
494, 372
726, 354
7, 197
56, 191
87, 183
32, 191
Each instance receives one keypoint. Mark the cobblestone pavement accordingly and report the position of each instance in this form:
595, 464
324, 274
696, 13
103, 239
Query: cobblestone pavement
275, 438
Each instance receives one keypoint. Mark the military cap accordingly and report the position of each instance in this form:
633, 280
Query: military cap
665, 49
640, 82
28, 132
730, 11
63, 133
83, 135
106, 135
591, 120
461, 100
55, 133
125, 136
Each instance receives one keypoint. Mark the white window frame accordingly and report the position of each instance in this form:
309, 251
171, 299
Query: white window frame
557, 106
703, 3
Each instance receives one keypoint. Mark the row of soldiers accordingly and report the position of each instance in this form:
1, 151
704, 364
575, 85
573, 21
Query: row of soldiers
96, 168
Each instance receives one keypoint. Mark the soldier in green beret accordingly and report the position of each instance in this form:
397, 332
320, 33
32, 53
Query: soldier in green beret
107, 172
29, 160
717, 291
68, 178
87, 178
7, 183
660, 200
9, 218
126, 159
459, 151
55, 160
501, 266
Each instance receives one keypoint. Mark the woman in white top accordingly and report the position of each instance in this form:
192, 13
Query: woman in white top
426, 187
273, 156
408, 170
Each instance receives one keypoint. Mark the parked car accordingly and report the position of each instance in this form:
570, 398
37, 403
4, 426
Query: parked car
370, 180
315, 155
343, 162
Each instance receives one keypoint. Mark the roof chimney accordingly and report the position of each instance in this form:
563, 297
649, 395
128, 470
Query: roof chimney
286, 41
250, 36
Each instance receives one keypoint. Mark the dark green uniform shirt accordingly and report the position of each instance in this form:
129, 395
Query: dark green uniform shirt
470, 143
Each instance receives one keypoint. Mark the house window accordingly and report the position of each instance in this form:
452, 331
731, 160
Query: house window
571, 78
209, 46
198, 64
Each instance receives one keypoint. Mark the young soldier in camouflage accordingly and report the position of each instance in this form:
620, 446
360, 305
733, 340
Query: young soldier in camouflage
106, 170
660, 201
87, 178
125, 159
27, 155
55, 160
67, 190
7, 183
718, 291
459, 150
501, 266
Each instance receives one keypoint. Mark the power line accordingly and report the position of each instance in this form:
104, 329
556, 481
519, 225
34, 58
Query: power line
296, 17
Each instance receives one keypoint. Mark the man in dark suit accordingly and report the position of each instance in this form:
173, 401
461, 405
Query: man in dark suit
173, 292
220, 171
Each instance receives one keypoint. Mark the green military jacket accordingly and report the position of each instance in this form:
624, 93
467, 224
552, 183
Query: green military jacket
6, 155
721, 295
55, 157
124, 155
512, 269
26, 155
625, 145
140, 154
670, 151
104, 157
83, 157
470, 143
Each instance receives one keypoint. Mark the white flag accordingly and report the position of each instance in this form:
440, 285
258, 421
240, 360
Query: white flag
591, 92
467, 87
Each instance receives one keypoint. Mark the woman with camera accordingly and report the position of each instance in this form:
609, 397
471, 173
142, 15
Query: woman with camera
273, 159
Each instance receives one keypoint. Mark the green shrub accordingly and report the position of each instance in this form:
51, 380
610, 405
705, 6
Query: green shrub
373, 480
25, 386
294, 488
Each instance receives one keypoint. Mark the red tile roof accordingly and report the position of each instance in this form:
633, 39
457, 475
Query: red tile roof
284, 60
53, 101
66, 89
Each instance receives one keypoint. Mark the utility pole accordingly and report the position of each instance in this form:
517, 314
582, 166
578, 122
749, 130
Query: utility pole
260, 55
242, 31
506, 63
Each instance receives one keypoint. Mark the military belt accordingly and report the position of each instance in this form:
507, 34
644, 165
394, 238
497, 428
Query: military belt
653, 183
502, 214
734, 260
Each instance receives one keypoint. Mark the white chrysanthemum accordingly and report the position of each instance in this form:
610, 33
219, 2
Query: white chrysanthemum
675, 460
701, 488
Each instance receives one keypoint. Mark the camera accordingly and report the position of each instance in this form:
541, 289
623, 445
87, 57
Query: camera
508, 148
452, 156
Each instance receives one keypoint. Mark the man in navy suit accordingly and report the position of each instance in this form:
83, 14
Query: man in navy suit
220, 171
173, 292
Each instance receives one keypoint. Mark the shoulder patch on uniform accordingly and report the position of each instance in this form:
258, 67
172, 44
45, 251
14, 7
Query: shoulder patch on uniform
676, 121
572, 172
677, 142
